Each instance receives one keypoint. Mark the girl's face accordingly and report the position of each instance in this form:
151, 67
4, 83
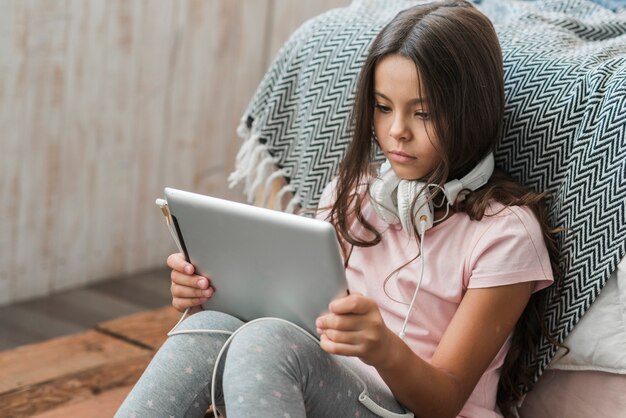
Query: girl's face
402, 121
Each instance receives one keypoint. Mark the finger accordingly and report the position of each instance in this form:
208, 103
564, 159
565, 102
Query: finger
352, 304
180, 304
337, 348
177, 262
343, 337
190, 292
346, 322
183, 279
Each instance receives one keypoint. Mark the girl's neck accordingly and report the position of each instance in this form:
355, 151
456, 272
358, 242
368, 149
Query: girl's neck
439, 214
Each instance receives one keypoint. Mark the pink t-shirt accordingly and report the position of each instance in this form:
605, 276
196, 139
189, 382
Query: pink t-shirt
504, 248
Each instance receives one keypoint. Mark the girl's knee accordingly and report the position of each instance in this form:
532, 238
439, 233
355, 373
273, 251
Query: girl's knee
267, 332
210, 320
263, 353
271, 342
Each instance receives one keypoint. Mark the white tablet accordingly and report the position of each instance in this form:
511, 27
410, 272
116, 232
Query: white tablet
263, 263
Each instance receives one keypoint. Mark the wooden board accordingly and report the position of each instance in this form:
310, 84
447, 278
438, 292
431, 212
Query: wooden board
148, 329
66, 370
103, 405
37, 377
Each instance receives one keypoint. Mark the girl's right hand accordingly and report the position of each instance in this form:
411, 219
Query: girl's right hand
188, 289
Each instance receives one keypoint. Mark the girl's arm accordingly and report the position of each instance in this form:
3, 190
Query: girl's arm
479, 328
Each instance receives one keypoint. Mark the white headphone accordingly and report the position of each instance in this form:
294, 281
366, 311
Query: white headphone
392, 196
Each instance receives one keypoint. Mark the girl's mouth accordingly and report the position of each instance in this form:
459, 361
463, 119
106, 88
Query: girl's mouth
400, 157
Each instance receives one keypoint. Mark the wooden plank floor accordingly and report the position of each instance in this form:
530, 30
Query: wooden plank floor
79, 310
85, 374
78, 353
103, 405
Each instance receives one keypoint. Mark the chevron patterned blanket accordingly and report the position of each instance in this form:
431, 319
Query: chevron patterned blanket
565, 124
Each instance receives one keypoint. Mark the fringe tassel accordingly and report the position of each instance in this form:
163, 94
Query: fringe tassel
278, 202
258, 154
264, 171
268, 186
293, 203
255, 167
242, 161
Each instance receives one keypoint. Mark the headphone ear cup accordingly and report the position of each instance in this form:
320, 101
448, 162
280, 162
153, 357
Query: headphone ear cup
383, 192
408, 192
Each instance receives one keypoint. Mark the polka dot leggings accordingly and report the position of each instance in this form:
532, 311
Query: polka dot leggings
270, 370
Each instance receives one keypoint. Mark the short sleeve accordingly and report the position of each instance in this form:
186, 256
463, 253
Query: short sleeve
510, 250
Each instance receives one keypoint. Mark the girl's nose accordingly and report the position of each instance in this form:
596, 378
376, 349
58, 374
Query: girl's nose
399, 129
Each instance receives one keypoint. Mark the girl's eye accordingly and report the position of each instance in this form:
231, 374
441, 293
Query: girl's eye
383, 108
422, 115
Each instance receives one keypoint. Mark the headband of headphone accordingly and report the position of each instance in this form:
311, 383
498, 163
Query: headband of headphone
392, 197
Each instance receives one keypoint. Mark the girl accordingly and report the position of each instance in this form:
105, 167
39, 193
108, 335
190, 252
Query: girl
430, 97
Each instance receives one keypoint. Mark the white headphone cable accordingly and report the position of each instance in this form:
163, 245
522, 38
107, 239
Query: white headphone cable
422, 231
363, 396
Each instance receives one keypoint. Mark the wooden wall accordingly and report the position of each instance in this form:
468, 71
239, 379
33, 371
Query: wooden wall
105, 102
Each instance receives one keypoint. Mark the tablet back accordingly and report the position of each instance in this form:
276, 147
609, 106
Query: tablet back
263, 263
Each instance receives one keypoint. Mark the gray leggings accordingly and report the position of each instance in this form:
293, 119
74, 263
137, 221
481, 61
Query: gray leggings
270, 370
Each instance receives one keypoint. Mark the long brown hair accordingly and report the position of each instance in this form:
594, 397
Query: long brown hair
459, 62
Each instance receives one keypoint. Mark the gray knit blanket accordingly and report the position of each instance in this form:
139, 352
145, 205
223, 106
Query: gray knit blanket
564, 130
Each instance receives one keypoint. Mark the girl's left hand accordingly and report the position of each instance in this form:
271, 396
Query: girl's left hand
354, 327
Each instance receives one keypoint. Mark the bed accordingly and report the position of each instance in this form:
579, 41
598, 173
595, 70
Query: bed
564, 132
